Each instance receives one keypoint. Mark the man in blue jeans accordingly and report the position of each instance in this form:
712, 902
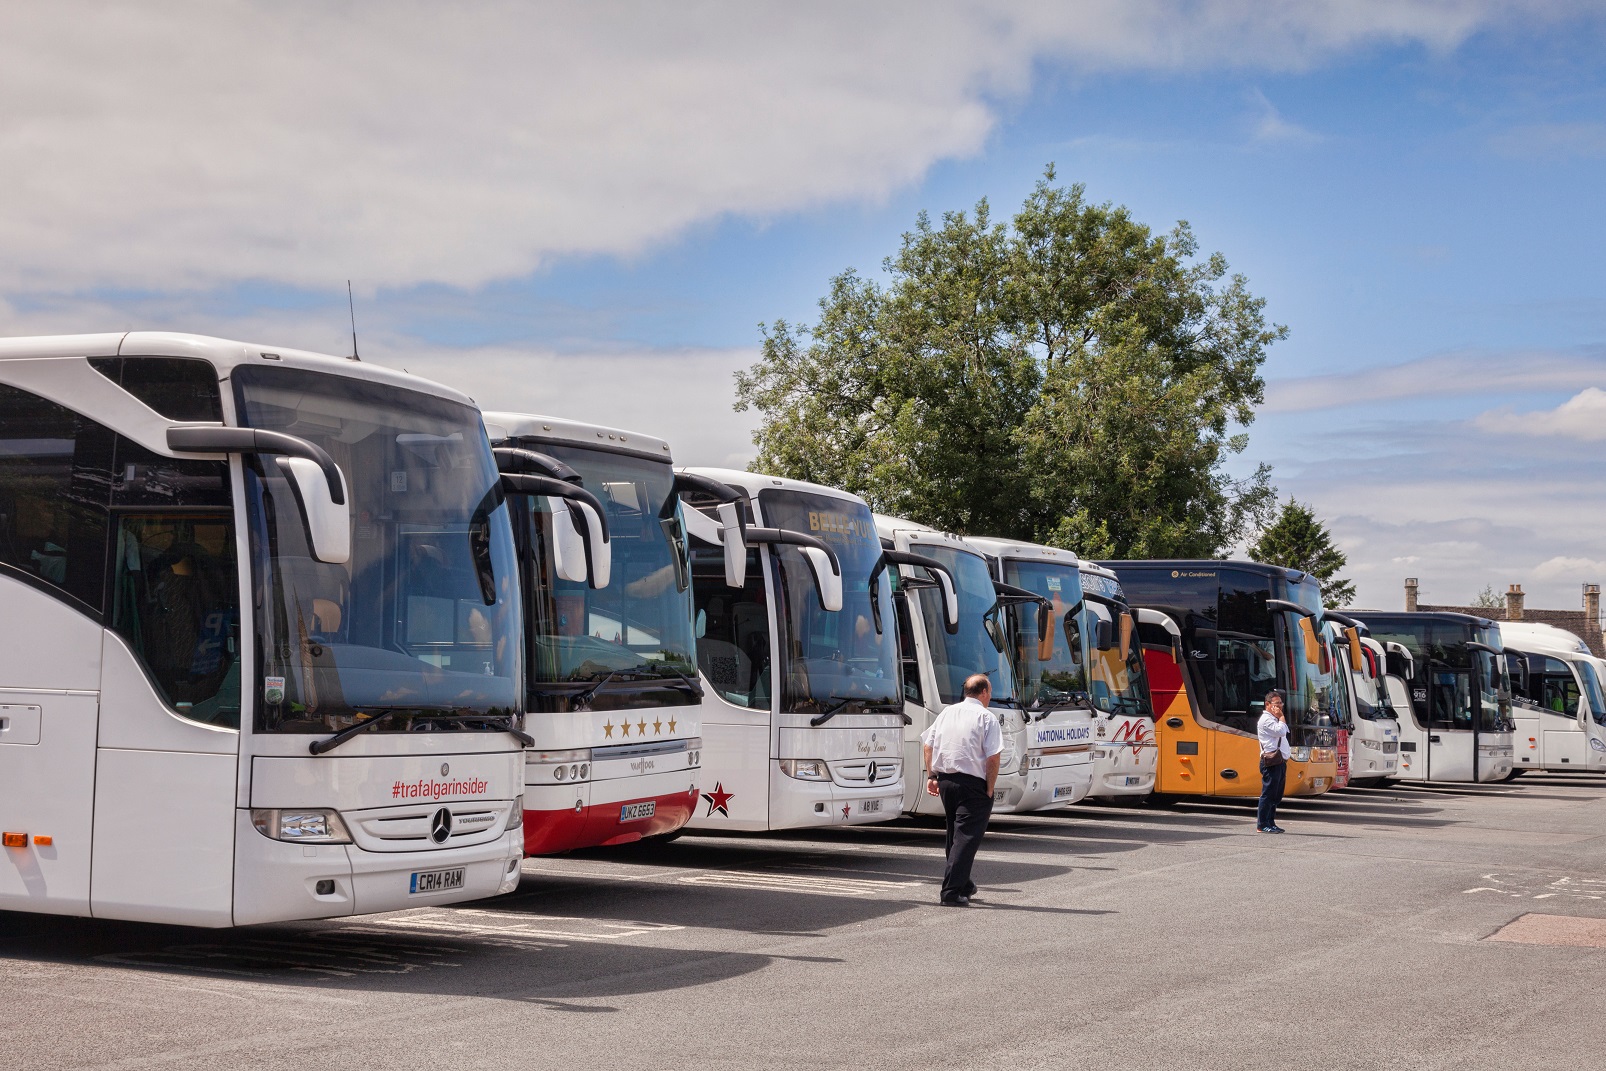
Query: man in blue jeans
962, 750
1274, 754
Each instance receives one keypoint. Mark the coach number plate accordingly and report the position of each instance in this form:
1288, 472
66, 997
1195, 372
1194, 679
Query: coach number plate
428, 881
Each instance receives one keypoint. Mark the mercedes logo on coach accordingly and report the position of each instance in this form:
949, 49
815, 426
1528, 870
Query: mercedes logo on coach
440, 826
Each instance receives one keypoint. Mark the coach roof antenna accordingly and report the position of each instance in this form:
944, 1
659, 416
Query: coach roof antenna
351, 306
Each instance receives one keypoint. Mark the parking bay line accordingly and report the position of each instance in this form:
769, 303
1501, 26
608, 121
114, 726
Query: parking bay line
807, 883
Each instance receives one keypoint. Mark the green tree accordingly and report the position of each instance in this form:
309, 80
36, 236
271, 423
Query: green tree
1297, 540
1070, 377
1488, 600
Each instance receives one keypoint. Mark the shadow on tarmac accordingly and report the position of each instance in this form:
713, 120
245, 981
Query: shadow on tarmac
368, 955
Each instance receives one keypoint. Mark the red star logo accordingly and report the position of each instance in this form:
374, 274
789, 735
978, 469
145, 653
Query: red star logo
846, 809
717, 800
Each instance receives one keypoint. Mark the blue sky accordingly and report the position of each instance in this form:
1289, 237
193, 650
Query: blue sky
591, 215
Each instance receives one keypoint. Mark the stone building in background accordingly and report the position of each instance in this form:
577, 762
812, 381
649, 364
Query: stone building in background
1583, 622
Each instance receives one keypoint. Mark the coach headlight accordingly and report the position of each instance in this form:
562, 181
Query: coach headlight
303, 826
1299, 754
806, 769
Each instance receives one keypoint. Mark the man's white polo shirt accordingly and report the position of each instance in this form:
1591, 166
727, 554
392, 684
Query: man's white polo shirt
963, 738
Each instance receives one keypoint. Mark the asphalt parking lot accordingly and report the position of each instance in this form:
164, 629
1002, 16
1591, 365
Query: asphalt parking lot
1369, 936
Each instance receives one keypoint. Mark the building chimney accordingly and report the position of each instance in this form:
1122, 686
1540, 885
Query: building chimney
1410, 594
1592, 606
1514, 603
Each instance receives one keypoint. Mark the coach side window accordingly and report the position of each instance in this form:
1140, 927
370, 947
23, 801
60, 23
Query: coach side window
733, 632
175, 580
55, 469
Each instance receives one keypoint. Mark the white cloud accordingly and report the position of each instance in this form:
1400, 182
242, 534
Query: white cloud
1581, 418
681, 396
187, 145
1441, 375
1442, 502
1271, 126
1559, 567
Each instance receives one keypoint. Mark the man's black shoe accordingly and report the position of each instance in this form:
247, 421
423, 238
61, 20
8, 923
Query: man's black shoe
971, 890
954, 901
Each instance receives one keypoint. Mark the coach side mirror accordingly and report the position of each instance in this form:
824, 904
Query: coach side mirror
576, 512
1073, 636
994, 632
1357, 659
1313, 643
328, 523
827, 577
731, 541
568, 545
317, 482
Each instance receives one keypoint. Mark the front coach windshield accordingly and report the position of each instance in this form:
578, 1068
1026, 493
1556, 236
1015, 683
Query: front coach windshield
1118, 686
633, 639
971, 650
845, 661
422, 623
1061, 681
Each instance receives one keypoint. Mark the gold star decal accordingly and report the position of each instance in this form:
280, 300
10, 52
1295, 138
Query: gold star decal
642, 728
657, 726
607, 730
671, 724
625, 725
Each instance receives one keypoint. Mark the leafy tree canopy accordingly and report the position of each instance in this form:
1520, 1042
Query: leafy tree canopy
1297, 540
1069, 377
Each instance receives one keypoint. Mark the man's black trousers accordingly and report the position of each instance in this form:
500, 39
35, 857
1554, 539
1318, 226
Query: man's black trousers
967, 805
1273, 776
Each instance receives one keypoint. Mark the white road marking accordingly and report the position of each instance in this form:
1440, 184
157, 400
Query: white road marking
480, 923
1525, 886
809, 883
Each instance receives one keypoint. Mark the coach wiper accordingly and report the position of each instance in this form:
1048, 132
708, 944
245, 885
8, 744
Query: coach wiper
839, 703
501, 722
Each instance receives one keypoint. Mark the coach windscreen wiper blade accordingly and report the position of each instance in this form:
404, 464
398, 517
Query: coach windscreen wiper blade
329, 743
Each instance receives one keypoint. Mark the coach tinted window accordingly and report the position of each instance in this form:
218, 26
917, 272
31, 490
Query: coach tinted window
55, 470
179, 388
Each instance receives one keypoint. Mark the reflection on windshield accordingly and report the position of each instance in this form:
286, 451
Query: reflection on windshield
639, 627
1442, 690
423, 618
1592, 691
1116, 685
1371, 699
840, 660
1313, 699
971, 650
1062, 680
1494, 694
1343, 683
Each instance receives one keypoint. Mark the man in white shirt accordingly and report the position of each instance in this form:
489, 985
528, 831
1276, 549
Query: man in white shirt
1274, 755
962, 749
